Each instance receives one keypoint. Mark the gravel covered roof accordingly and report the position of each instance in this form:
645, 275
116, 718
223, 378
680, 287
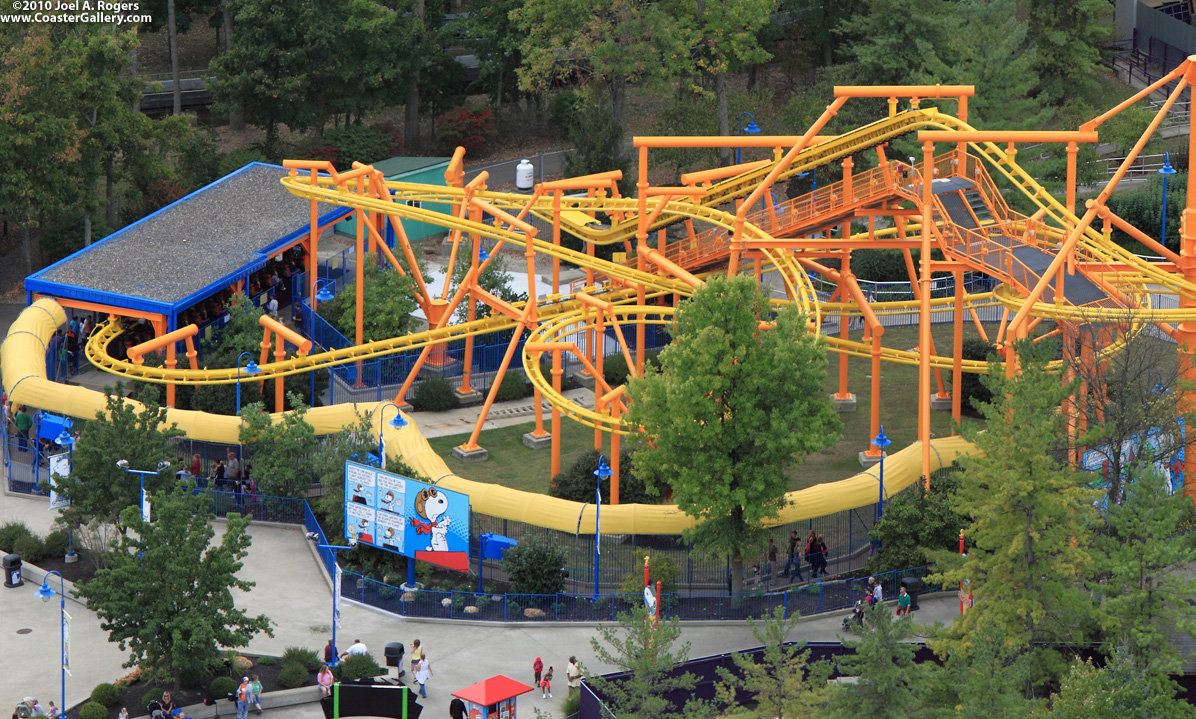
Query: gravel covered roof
191, 244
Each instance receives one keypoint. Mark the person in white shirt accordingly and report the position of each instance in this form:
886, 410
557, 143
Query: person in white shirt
877, 594
272, 306
356, 648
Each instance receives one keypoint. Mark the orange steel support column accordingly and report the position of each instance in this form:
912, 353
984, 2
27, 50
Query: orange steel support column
844, 325
874, 425
556, 415
599, 357
472, 442
360, 294
613, 397
957, 352
1186, 343
313, 259
641, 241
1072, 149
436, 310
924, 314
556, 240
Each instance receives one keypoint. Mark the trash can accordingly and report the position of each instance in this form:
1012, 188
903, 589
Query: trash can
394, 657
12, 570
912, 585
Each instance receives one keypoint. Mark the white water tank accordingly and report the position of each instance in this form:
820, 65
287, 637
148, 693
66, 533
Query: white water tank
525, 175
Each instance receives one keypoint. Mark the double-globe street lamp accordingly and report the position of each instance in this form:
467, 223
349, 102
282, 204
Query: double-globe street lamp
44, 593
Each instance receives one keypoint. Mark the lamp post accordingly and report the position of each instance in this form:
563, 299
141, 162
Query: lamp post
44, 593
336, 591
322, 293
751, 129
250, 369
603, 472
881, 441
124, 464
64, 439
398, 423
1166, 171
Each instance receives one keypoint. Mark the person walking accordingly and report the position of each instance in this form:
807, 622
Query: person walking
771, 558
823, 553
794, 560
811, 548
573, 675
877, 592
422, 673
417, 653
243, 697
457, 709
537, 667
546, 685
256, 686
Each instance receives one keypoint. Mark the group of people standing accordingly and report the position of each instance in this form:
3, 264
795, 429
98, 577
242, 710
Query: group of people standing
543, 679
814, 550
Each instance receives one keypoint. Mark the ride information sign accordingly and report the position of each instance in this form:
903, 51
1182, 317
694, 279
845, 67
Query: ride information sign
407, 517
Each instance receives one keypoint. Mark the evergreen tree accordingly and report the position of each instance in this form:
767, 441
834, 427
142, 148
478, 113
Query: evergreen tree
281, 449
783, 683
889, 682
1118, 690
1030, 514
1067, 37
644, 650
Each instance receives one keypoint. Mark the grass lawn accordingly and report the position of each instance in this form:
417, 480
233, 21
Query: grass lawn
513, 465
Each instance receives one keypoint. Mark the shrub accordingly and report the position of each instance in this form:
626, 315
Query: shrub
359, 143
222, 687
106, 694
512, 387
471, 129
305, 658
571, 704
576, 483
359, 666
268, 661
318, 148
153, 695
661, 569
561, 108
196, 676
57, 543
972, 390
93, 710
160, 193
10, 532
535, 567
434, 395
291, 675
614, 367
30, 548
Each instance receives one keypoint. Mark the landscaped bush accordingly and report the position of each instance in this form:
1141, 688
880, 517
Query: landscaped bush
471, 129
535, 567
359, 143
93, 710
291, 675
153, 695
305, 658
972, 391
222, 687
30, 548
513, 387
10, 532
661, 568
561, 108
268, 661
434, 395
106, 694
576, 482
359, 666
614, 367
57, 543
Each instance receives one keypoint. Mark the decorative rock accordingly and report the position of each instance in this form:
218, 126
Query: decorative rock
242, 664
533, 613
471, 610
408, 596
446, 602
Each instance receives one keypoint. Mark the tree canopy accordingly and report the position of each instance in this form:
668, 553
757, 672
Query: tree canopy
730, 408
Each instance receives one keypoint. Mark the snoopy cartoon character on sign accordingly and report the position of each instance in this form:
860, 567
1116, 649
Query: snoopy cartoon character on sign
432, 506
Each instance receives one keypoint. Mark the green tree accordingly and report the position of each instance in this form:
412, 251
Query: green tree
1144, 584
98, 489
1120, 689
890, 49
495, 41
889, 683
388, 301
281, 448
915, 521
783, 682
644, 650
986, 672
1125, 128
166, 596
730, 408
494, 279
1067, 37
1030, 515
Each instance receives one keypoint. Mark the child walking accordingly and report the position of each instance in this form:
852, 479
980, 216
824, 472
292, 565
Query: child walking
537, 667
546, 685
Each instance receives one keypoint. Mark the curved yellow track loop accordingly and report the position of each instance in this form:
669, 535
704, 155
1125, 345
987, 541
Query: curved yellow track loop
23, 359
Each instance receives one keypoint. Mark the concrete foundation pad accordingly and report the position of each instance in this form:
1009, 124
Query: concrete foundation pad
844, 404
866, 460
469, 397
939, 404
584, 380
470, 456
531, 441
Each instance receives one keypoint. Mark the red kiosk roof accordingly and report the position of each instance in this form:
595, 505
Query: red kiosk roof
492, 691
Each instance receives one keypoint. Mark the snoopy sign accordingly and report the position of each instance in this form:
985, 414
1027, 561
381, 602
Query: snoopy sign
407, 517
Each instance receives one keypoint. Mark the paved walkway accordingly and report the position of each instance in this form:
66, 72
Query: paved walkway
293, 591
